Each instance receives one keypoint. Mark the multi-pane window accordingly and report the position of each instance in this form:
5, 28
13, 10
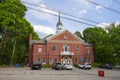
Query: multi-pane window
81, 59
39, 60
44, 61
53, 47
76, 60
66, 47
89, 60
88, 51
39, 49
51, 61
77, 48
56, 60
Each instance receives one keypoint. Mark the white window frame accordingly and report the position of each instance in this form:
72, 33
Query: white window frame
88, 51
81, 59
43, 60
51, 61
76, 60
66, 47
77, 48
53, 47
39, 49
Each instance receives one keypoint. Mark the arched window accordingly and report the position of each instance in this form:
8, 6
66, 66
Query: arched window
81, 59
66, 47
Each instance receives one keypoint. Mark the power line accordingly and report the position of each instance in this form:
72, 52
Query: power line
117, 1
62, 17
62, 13
113, 10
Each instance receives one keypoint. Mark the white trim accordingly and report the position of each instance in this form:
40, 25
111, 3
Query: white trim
66, 53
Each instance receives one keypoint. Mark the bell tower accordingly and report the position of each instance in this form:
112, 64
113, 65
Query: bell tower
59, 25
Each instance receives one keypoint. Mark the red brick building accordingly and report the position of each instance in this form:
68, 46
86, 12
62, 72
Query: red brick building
63, 47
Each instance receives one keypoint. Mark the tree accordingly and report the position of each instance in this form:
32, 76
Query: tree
99, 38
78, 34
114, 34
14, 28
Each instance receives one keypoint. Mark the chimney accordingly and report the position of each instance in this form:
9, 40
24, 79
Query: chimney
30, 36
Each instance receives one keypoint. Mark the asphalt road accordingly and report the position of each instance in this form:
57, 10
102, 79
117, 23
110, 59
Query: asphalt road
50, 74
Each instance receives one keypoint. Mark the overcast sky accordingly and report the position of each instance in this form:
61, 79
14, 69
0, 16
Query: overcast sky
45, 24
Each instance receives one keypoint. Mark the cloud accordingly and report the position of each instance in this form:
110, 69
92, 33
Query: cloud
43, 30
106, 25
33, 1
40, 11
43, 13
103, 25
83, 11
99, 7
117, 23
73, 8
100, 17
82, 2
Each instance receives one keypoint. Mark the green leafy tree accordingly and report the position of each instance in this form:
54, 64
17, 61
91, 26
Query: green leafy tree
114, 34
99, 38
15, 30
78, 34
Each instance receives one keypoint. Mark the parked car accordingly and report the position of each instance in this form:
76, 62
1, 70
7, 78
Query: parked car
84, 66
68, 66
36, 66
117, 66
57, 66
106, 66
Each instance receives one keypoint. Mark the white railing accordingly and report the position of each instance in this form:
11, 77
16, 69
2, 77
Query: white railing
66, 53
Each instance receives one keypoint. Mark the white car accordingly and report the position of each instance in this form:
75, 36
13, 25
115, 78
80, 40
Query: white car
68, 66
84, 66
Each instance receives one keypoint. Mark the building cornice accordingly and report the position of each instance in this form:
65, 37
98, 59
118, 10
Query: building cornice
65, 41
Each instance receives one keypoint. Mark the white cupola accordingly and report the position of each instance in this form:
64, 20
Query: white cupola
59, 25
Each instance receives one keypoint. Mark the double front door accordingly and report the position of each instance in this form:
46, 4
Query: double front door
66, 60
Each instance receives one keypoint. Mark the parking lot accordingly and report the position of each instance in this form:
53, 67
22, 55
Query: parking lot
50, 74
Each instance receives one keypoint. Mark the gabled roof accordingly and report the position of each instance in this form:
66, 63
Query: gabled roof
52, 36
60, 33
43, 41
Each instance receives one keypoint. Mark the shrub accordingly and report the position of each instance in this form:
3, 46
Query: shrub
75, 65
46, 66
95, 64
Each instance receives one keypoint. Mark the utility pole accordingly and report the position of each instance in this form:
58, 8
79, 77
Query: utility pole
11, 62
1, 40
0, 35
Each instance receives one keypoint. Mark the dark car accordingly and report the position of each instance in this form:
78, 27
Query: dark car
36, 66
57, 66
106, 66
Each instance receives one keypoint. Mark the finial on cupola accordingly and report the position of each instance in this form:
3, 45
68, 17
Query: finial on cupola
59, 24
